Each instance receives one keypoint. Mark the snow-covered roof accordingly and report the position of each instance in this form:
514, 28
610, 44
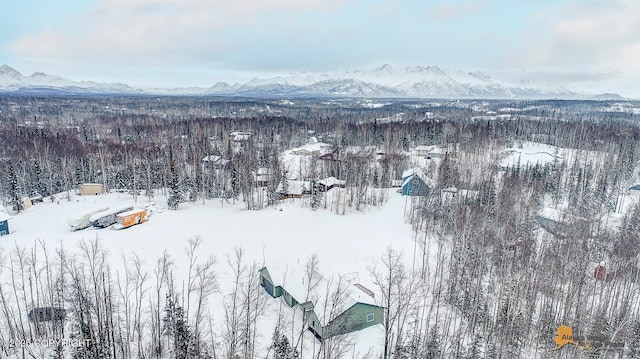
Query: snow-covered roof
314, 147
433, 149
332, 181
4, 217
558, 215
128, 213
409, 174
294, 279
116, 210
211, 158
240, 135
215, 159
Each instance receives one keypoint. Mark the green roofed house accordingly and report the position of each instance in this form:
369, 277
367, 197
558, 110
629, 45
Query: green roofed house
360, 313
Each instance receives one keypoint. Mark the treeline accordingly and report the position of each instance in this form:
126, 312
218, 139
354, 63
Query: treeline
48, 153
504, 284
127, 310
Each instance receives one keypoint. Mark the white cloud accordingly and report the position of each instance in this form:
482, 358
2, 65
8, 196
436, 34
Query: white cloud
601, 36
159, 31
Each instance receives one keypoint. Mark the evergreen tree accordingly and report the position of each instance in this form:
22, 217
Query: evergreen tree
316, 195
285, 184
633, 340
38, 184
282, 348
14, 189
432, 347
176, 328
175, 192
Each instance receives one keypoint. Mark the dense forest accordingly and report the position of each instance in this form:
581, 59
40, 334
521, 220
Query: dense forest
499, 285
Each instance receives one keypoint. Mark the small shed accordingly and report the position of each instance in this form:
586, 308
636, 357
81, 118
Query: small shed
601, 273
416, 183
47, 314
26, 203
87, 189
4, 223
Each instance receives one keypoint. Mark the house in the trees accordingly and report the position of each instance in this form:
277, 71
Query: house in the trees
328, 183
422, 151
313, 149
240, 136
90, 189
429, 152
262, 176
293, 189
560, 224
333, 155
213, 162
4, 223
416, 183
360, 310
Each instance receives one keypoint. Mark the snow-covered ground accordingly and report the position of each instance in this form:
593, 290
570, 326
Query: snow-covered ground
280, 237
529, 154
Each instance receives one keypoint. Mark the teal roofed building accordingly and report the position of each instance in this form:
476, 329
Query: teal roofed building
357, 317
416, 183
361, 313
4, 223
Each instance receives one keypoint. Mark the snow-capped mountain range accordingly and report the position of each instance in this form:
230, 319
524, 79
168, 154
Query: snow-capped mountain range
13, 81
383, 82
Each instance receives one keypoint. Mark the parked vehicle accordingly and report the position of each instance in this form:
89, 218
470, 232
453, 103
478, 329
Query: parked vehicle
130, 218
108, 217
81, 221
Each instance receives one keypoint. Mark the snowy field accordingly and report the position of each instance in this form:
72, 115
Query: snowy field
282, 238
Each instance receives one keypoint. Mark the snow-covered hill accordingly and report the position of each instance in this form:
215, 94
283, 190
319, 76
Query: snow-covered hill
383, 82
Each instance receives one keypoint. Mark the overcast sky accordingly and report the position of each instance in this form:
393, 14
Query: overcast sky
200, 42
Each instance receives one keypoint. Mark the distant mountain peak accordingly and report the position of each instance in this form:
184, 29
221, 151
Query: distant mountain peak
8, 69
385, 67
